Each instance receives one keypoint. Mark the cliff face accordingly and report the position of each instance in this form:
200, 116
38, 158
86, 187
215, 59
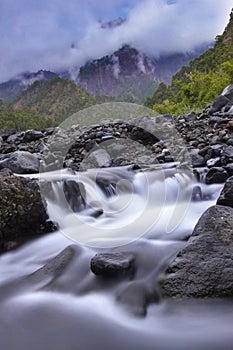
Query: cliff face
129, 74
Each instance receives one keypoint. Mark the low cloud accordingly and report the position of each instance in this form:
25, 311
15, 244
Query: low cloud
39, 36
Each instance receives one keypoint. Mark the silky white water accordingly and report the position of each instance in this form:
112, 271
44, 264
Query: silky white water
50, 299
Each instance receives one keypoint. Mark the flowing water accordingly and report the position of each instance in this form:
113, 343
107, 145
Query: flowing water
51, 300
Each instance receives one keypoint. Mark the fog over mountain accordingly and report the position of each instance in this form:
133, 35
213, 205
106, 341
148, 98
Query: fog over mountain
38, 35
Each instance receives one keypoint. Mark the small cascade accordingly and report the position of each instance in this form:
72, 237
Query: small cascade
47, 288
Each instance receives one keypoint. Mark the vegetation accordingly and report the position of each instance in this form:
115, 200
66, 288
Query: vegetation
56, 99
198, 84
21, 119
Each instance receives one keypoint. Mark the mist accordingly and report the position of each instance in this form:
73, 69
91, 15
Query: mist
39, 35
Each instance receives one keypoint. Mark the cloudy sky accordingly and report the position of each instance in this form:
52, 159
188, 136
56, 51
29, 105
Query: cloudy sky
37, 34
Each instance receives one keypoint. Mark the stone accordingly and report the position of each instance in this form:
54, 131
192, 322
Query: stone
21, 162
32, 135
99, 158
229, 169
204, 267
230, 141
228, 92
197, 159
216, 175
230, 125
75, 194
22, 212
112, 264
218, 104
5, 133
213, 162
226, 196
227, 152
164, 118
190, 118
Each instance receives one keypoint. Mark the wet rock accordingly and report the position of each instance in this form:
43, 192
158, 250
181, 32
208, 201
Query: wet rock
228, 92
215, 162
21, 162
22, 212
216, 175
75, 194
204, 268
136, 296
112, 264
226, 196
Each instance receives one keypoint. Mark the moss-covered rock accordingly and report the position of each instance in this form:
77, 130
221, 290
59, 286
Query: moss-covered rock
22, 212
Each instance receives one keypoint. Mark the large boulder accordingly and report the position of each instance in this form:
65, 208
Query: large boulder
21, 162
228, 92
226, 196
218, 104
204, 267
216, 175
22, 212
97, 159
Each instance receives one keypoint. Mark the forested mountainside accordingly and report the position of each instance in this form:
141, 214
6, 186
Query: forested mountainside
21, 119
13, 87
199, 83
56, 99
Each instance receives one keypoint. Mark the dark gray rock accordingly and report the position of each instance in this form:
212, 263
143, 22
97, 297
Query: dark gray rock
112, 264
214, 162
216, 175
229, 169
197, 159
22, 212
204, 268
164, 118
98, 159
226, 196
227, 152
228, 92
218, 104
32, 135
21, 162
190, 118
5, 133
75, 194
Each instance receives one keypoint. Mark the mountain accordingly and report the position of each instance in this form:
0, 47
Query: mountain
127, 74
199, 83
56, 99
131, 75
112, 24
10, 89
